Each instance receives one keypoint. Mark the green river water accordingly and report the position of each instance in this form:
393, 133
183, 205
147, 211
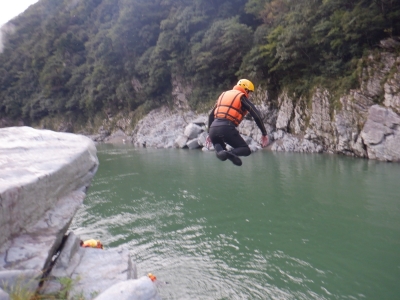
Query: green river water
282, 226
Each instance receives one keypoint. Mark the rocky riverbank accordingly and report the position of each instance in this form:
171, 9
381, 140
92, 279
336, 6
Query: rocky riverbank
365, 122
44, 176
362, 123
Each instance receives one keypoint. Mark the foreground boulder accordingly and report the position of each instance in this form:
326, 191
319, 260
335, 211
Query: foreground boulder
44, 176
140, 289
91, 270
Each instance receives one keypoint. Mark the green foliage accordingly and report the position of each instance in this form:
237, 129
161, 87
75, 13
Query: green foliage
315, 42
255, 6
67, 284
217, 57
85, 58
20, 291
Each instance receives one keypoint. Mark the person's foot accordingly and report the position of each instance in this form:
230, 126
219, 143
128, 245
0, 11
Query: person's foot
222, 155
234, 158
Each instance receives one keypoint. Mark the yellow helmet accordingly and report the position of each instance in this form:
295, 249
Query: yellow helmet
246, 84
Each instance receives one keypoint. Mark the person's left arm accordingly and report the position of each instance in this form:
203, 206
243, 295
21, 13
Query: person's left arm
211, 117
246, 103
210, 120
249, 106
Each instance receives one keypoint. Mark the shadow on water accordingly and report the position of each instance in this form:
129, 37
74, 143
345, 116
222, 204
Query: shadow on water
282, 226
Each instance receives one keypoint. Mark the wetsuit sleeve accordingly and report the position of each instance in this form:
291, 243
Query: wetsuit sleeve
254, 113
211, 116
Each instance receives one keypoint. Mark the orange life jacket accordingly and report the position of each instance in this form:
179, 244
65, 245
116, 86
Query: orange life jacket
229, 105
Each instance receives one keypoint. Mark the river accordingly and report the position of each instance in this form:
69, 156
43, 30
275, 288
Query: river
282, 226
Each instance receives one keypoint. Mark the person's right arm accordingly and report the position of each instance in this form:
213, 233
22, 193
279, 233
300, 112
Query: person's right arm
211, 117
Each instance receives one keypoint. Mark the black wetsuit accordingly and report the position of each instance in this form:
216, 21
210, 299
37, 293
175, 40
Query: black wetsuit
223, 131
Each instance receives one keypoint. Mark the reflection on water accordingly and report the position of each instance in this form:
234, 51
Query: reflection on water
282, 226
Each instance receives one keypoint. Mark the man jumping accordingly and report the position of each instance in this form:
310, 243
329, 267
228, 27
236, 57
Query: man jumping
226, 115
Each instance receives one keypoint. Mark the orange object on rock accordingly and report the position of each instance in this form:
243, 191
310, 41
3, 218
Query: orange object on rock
92, 244
152, 277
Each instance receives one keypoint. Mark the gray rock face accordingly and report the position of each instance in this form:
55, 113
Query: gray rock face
26, 279
192, 131
115, 266
202, 138
347, 121
31, 161
320, 127
352, 129
317, 124
285, 112
161, 128
301, 114
104, 274
33, 249
92, 270
4, 295
181, 141
373, 74
381, 134
290, 143
141, 289
117, 137
193, 144
43, 179
391, 88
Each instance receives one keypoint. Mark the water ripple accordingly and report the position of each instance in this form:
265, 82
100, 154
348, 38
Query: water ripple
304, 227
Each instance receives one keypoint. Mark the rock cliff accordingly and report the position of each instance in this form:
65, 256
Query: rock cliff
362, 123
44, 176
362, 126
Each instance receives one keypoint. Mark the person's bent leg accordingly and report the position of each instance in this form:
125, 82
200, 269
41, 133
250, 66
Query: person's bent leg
220, 152
233, 158
242, 151
222, 135
216, 135
235, 140
217, 138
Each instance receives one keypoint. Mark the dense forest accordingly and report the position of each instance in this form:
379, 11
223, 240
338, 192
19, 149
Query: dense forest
80, 58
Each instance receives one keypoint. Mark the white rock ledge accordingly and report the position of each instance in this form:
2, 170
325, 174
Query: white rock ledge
44, 176
43, 179
37, 169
